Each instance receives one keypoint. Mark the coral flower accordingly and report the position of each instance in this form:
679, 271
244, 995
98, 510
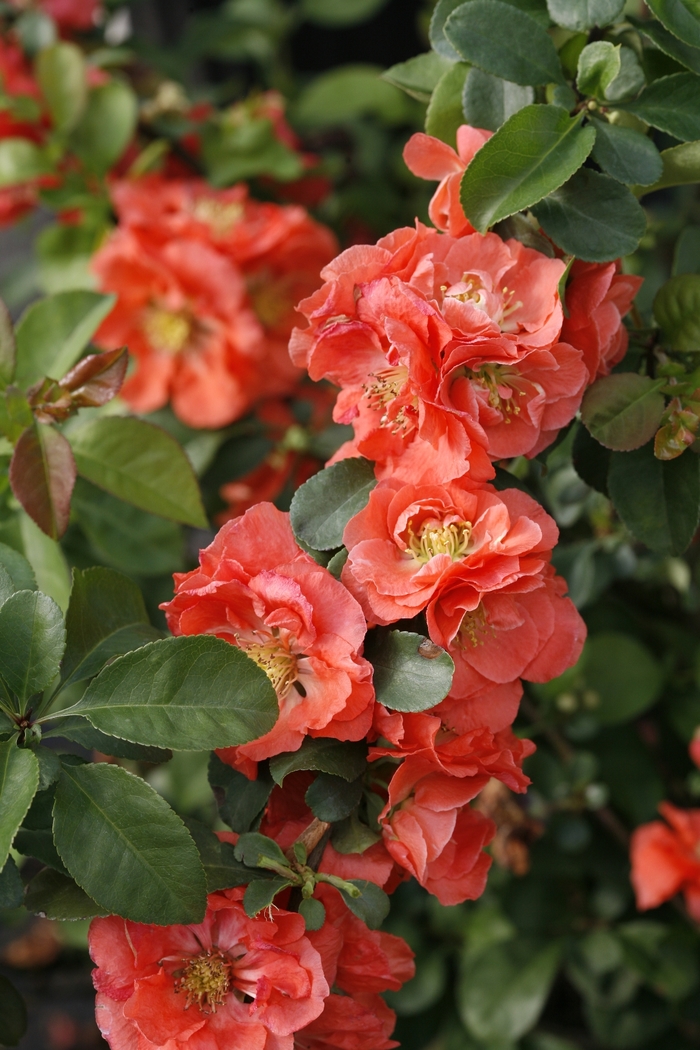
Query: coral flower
413, 543
181, 310
256, 589
430, 158
666, 859
71, 14
362, 1022
229, 981
597, 298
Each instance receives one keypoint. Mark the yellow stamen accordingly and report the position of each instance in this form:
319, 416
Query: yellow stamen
436, 538
205, 979
474, 626
219, 217
167, 330
276, 660
388, 384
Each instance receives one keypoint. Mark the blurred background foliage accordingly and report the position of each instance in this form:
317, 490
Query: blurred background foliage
554, 956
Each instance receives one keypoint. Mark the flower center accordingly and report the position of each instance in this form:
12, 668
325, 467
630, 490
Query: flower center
388, 384
220, 217
474, 626
500, 384
205, 979
469, 290
435, 538
167, 330
276, 660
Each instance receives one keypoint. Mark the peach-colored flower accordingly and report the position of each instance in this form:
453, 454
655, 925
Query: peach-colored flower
597, 298
665, 859
256, 589
429, 158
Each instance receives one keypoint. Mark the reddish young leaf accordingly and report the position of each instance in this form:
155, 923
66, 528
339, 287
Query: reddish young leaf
42, 475
96, 379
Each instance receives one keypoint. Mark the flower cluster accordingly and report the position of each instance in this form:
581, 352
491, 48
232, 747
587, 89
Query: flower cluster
206, 282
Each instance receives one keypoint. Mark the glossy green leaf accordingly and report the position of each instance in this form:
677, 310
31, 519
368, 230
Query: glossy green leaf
106, 126
341, 759
141, 464
626, 154
188, 694
419, 76
261, 893
624, 676
623, 411
502, 991
60, 70
671, 104
13, 1013
240, 801
253, 849
352, 836
56, 896
332, 798
18, 569
489, 101
19, 779
504, 41
337, 13
372, 906
53, 332
348, 92
221, 868
32, 640
580, 15
680, 17
324, 504
47, 560
592, 217
444, 114
598, 65
38, 843
81, 732
668, 43
629, 81
531, 155
440, 43
681, 166
126, 848
677, 311
20, 160
49, 766
659, 502
106, 617
11, 887
411, 673
7, 347
313, 913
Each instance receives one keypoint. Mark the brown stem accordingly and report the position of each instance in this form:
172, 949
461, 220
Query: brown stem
310, 837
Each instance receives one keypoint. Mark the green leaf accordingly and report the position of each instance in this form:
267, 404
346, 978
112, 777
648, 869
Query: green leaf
623, 411
106, 127
13, 1014
19, 779
125, 537
81, 732
488, 101
505, 41
348, 92
106, 617
324, 504
680, 17
221, 868
598, 65
337, 13
47, 560
419, 76
126, 848
11, 888
623, 674
18, 569
440, 43
629, 81
444, 114
261, 893
313, 913
681, 166
677, 311
352, 836
252, 849
188, 694
53, 332
7, 347
531, 155
241, 801
411, 673
659, 502
671, 104
32, 640
336, 563
668, 43
60, 70
332, 798
20, 161
626, 154
372, 906
141, 464
346, 760
592, 217
584, 14
56, 896
686, 255
7, 587
503, 990
49, 766
38, 843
